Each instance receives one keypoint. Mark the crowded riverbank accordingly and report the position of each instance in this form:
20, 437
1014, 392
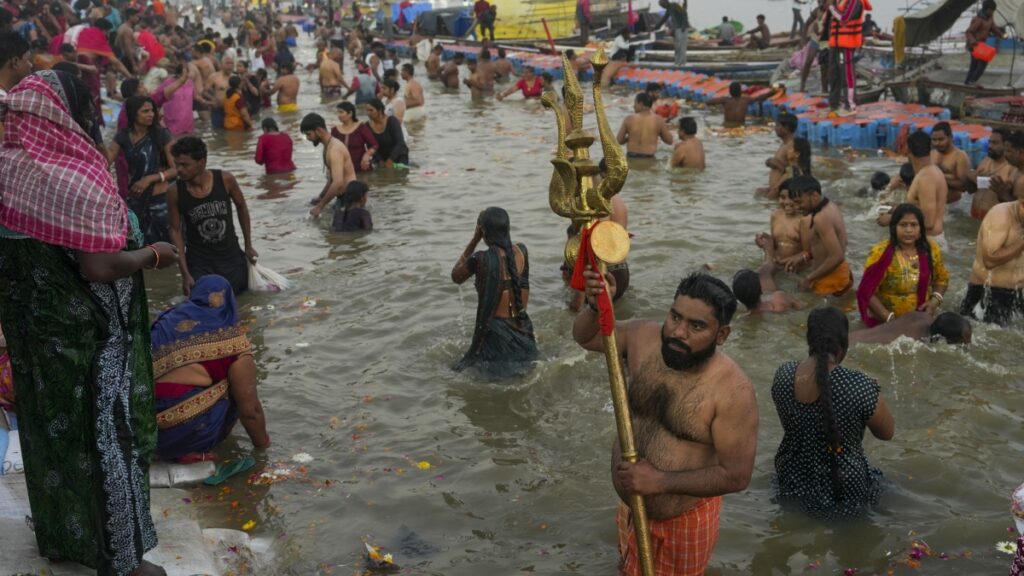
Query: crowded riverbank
454, 474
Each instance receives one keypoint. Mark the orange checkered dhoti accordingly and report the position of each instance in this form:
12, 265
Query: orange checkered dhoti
681, 546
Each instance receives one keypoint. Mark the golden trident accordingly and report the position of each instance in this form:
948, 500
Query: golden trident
572, 195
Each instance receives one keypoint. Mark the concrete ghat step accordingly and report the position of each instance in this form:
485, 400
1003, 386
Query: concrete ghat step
184, 549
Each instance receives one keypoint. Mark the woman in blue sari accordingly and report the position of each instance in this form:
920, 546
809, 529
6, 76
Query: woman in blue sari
503, 342
205, 375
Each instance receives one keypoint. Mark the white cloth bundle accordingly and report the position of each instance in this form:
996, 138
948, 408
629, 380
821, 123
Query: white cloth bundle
263, 279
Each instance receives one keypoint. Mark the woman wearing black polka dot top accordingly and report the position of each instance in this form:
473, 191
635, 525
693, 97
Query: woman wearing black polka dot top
824, 409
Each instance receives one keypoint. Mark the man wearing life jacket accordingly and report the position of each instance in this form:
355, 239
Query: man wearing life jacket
845, 36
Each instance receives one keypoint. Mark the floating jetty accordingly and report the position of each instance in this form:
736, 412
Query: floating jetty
884, 124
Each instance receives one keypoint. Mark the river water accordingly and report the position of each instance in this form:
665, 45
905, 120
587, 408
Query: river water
354, 368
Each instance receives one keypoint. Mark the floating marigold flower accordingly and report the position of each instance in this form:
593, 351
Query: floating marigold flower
249, 525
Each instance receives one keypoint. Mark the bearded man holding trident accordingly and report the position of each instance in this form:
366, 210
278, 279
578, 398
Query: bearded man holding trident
692, 408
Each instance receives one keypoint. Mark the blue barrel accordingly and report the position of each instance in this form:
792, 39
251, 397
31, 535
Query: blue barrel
883, 128
978, 150
823, 132
803, 128
847, 135
868, 135
961, 140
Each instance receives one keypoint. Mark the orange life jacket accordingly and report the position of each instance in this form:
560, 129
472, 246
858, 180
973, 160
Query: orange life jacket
851, 34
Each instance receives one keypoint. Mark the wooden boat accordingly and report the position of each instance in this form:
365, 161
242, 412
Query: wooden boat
936, 92
998, 112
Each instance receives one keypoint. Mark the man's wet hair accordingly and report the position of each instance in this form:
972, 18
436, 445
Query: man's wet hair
735, 89
311, 122
711, 291
191, 146
949, 325
746, 286
919, 144
943, 127
802, 185
652, 87
879, 180
788, 121
907, 173
645, 99
688, 125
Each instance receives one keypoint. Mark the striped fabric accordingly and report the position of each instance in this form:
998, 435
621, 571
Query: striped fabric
54, 185
681, 546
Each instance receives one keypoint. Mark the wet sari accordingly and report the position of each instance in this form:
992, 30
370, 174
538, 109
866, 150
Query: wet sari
79, 350
501, 346
202, 330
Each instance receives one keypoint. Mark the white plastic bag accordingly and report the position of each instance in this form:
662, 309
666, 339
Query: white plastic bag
263, 279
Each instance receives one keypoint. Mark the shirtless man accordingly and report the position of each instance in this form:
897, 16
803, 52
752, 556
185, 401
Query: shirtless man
919, 325
785, 129
487, 70
331, 81
217, 89
503, 69
689, 151
206, 63
928, 190
413, 90
830, 274
287, 88
433, 63
760, 36
751, 287
475, 83
734, 106
640, 131
124, 42
450, 74
998, 171
337, 161
375, 60
998, 266
953, 161
694, 418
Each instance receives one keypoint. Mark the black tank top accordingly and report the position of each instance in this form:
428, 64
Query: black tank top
209, 223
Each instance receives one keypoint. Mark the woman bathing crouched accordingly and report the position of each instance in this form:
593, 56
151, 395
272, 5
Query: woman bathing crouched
824, 409
205, 374
503, 341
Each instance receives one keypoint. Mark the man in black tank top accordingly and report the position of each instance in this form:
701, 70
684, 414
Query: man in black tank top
201, 221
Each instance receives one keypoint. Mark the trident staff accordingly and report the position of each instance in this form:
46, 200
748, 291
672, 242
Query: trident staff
572, 195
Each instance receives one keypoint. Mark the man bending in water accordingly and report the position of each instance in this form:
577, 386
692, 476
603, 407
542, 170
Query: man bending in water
689, 151
735, 105
750, 288
337, 161
694, 416
640, 131
954, 328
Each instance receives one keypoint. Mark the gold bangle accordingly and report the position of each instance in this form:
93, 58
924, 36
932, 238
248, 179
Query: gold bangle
937, 296
156, 255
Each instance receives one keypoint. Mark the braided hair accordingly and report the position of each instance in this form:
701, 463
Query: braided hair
495, 225
921, 243
828, 336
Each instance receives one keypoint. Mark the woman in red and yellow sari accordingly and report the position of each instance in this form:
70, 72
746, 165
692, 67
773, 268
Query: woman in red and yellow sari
205, 375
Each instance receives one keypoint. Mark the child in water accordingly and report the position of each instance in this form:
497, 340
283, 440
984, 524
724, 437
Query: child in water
353, 216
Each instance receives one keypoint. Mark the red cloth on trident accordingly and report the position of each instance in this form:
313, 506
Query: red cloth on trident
605, 316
